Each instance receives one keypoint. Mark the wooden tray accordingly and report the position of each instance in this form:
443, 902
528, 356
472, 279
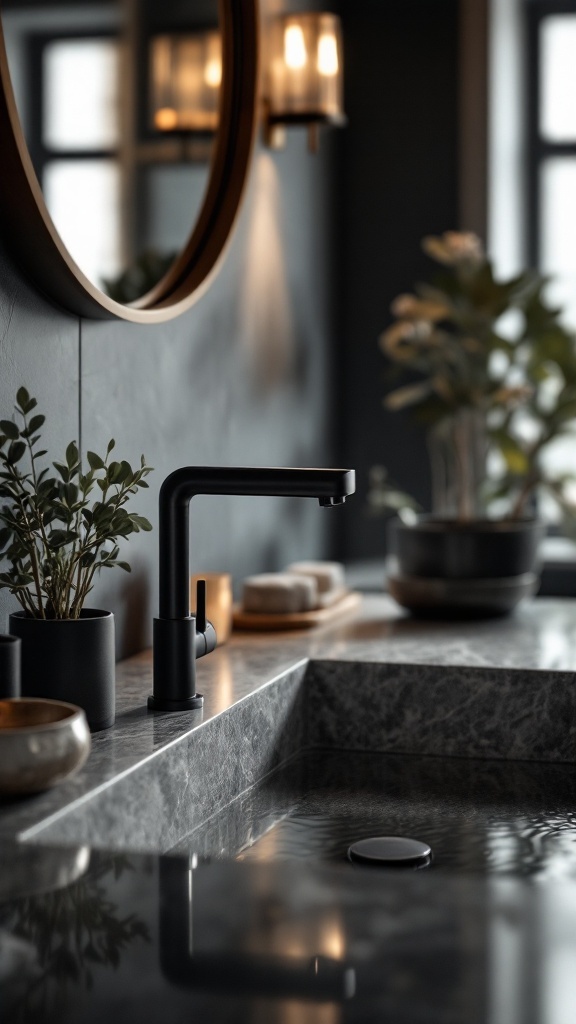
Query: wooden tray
258, 621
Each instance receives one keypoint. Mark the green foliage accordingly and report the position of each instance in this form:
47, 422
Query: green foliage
460, 364
75, 932
141, 277
57, 532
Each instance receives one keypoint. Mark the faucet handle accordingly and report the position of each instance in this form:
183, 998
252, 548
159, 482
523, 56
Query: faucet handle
201, 606
205, 633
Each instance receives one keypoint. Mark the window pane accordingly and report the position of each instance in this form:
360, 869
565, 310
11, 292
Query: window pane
558, 232
169, 189
558, 258
83, 197
558, 78
81, 94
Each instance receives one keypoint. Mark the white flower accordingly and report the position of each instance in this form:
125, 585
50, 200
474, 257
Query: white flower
398, 341
413, 308
454, 247
408, 395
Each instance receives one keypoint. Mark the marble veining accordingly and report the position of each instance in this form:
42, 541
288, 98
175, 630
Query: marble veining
459, 712
422, 947
502, 688
540, 635
197, 774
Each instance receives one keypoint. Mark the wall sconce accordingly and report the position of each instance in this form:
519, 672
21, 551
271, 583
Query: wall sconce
304, 76
185, 76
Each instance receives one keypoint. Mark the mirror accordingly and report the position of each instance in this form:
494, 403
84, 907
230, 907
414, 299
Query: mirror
131, 124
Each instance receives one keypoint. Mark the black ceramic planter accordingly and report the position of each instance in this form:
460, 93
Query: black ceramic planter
480, 549
443, 568
71, 660
10, 659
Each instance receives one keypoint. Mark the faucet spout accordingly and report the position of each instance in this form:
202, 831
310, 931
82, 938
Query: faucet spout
174, 659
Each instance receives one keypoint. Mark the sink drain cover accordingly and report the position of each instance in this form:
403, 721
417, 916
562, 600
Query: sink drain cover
392, 851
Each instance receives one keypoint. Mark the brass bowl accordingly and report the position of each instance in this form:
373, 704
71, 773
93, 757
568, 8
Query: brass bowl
42, 742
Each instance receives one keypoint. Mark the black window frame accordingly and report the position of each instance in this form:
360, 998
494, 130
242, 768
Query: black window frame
40, 153
539, 149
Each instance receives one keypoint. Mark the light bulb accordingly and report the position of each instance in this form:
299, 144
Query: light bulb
294, 47
327, 55
166, 119
213, 72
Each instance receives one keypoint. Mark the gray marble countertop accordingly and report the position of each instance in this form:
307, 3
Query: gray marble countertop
231, 942
538, 642
418, 948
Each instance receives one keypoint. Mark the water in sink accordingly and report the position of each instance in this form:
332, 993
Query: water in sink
488, 817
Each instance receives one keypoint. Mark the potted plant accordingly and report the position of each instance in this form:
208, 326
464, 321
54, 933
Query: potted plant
496, 398
57, 533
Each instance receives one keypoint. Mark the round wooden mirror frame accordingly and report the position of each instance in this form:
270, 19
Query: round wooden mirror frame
28, 230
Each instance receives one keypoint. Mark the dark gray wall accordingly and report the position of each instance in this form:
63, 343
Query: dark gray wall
240, 379
246, 375
398, 182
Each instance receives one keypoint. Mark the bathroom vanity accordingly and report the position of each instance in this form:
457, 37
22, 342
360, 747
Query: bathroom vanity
462, 735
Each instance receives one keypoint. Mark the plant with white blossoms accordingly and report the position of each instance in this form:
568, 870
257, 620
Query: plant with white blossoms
487, 396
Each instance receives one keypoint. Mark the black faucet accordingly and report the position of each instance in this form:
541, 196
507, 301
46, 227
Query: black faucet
229, 967
180, 638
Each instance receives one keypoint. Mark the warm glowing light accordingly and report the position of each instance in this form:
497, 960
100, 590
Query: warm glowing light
304, 80
333, 939
213, 73
166, 119
186, 73
294, 47
223, 691
327, 55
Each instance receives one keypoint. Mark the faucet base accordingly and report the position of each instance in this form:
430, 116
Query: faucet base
175, 653
161, 704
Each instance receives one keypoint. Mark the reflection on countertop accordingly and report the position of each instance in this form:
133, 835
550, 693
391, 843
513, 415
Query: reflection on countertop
170, 940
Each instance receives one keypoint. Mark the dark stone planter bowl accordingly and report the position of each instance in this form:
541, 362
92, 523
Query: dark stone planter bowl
480, 549
70, 660
447, 569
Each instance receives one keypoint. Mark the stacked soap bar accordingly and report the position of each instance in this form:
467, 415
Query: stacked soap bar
329, 578
302, 587
279, 592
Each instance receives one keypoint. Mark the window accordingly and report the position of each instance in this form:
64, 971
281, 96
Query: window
552, 148
551, 145
75, 132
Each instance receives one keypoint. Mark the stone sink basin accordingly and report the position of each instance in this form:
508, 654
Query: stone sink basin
376, 730
482, 817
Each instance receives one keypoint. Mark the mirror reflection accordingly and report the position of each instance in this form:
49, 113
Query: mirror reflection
119, 105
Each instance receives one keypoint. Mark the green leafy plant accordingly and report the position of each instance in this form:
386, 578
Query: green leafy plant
55, 532
496, 399
140, 278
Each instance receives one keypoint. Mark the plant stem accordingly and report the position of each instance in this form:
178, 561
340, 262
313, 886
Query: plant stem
529, 485
32, 550
463, 457
24, 599
38, 513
